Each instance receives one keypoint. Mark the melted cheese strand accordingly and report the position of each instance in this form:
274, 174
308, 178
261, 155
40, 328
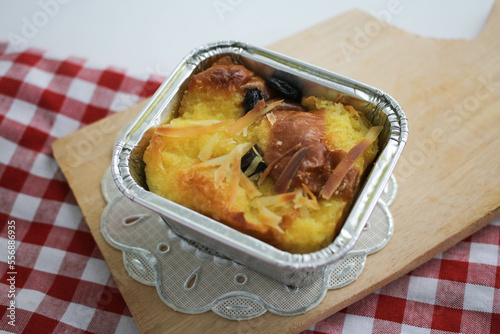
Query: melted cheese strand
260, 109
190, 131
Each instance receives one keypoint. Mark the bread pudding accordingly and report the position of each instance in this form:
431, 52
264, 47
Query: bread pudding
258, 156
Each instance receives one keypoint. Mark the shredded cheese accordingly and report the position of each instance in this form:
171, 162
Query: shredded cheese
274, 199
203, 122
249, 187
253, 165
285, 179
258, 111
206, 151
212, 162
234, 180
308, 191
227, 141
269, 218
189, 131
275, 162
271, 118
223, 171
228, 164
302, 202
348, 161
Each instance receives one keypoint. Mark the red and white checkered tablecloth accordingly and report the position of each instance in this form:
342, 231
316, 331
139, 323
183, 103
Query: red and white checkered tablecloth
62, 284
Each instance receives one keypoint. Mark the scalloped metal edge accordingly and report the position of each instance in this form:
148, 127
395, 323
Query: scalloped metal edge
216, 306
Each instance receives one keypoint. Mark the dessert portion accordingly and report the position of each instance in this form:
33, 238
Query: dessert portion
259, 157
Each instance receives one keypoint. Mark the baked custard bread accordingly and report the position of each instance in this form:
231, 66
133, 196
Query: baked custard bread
257, 156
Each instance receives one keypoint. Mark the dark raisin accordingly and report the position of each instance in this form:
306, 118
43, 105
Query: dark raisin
252, 162
285, 89
253, 96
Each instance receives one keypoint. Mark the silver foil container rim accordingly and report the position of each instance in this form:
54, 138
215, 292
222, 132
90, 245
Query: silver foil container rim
251, 247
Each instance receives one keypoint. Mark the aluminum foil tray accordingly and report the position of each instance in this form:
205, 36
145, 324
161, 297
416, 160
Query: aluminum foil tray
127, 166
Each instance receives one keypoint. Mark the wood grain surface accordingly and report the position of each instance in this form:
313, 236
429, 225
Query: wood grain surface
449, 174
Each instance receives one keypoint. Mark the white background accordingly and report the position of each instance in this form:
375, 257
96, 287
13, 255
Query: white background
154, 35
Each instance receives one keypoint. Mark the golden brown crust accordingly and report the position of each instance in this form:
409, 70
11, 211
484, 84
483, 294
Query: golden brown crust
216, 95
222, 76
260, 84
209, 200
307, 129
286, 105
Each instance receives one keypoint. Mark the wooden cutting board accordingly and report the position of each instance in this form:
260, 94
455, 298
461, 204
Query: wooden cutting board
449, 174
